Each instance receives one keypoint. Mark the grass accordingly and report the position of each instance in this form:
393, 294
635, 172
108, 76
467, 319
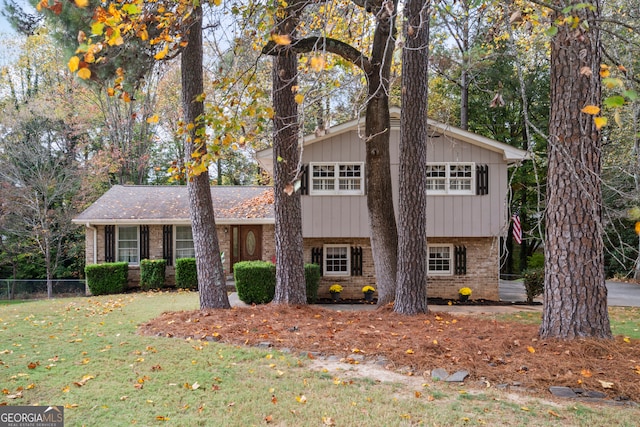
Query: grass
624, 320
85, 354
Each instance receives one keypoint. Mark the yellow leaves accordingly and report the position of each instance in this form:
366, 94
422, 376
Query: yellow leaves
299, 98
600, 122
160, 55
531, 349
591, 109
162, 418
328, 421
409, 351
586, 373
97, 28
84, 73
301, 399
637, 228
81, 3
636, 369
153, 119
317, 63
65, 389
217, 2
281, 39
84, 380
73, 64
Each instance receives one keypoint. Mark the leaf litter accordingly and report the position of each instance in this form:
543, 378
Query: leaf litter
494, 352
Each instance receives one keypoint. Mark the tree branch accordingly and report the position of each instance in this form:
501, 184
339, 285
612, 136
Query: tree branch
330, 45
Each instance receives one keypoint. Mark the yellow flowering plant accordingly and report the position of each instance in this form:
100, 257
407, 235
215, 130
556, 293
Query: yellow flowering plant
335, 288
368, 288
465, 291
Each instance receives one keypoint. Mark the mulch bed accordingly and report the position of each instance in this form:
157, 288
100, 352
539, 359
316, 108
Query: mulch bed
494, 353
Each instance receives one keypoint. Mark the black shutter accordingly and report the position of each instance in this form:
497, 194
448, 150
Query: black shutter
316, 258
144, 242
356, 261
109, 243
482, 180
460, 262
304, 180
167, 243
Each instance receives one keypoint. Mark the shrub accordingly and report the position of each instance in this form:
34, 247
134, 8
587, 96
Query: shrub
533, 282
108, 278
312, 281
255, 281
152, 273
186, 273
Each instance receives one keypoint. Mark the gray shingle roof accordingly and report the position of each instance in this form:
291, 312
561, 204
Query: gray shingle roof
170, 205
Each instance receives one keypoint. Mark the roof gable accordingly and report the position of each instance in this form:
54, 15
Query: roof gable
509, 153
170, 205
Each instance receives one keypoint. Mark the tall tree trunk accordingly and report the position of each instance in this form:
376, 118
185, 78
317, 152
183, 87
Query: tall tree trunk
575, 295
290, 283
211, 280
382, 220
411, 294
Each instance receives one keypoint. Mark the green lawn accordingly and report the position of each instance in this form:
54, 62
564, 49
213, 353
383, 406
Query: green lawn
85, 354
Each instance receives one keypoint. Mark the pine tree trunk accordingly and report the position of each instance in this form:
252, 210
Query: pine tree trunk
411, 294
290, 284
382, 220
575, 295
211, 280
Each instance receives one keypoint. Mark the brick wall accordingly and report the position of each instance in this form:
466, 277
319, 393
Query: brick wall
156, 249
482, 263
482, 270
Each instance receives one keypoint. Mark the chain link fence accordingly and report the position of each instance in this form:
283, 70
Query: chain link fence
18, 289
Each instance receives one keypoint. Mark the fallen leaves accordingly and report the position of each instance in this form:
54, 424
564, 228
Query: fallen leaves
84, 380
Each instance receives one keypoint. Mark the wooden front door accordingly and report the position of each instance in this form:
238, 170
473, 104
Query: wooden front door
246, 243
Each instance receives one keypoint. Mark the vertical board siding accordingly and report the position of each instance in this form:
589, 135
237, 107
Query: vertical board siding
448, 216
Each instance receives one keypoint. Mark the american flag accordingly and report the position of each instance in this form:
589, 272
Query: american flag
517, 228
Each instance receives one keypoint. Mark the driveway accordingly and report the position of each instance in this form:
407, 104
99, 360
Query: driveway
619, 293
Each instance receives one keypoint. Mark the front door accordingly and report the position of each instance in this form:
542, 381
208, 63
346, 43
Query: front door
246, 243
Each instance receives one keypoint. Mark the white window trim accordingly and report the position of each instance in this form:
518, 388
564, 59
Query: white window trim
336, 191
451, 260
324, 261
175, 241
447, 190
137, 243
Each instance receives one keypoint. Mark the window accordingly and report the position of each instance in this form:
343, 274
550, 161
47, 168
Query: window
440, 259
337, 178
336, 260
128, 244
184, 242
450, 178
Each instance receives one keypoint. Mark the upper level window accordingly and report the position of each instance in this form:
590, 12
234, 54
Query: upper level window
450, 178
184, 242
128, 244
337, 178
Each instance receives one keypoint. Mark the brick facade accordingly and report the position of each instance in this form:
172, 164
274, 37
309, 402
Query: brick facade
482, 270
482, 255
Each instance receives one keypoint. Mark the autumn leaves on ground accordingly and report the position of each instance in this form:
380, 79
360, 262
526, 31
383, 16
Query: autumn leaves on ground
494, 352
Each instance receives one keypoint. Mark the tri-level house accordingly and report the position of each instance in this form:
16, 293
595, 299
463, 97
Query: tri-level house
467, 209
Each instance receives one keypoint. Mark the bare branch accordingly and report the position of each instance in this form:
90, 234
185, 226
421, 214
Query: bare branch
330, 45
